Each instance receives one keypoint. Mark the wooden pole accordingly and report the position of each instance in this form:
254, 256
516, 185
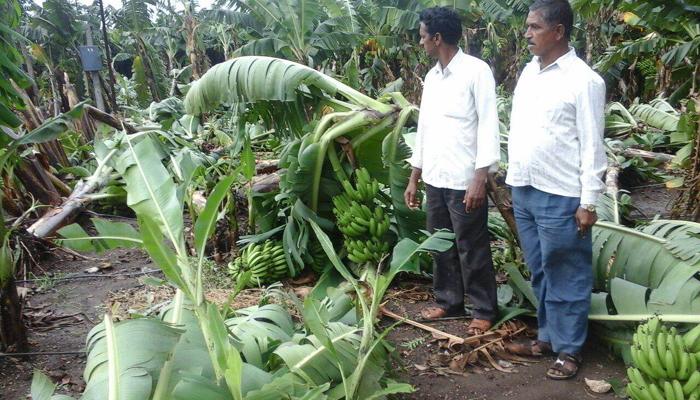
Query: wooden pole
96, 84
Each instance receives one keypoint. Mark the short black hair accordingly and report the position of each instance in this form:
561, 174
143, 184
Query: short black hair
442, 20
556, 12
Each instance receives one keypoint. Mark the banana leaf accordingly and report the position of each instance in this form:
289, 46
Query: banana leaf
251, 79
110, 235
682, 237
42, 388
655, 117
315, 363
257, 332
395, 153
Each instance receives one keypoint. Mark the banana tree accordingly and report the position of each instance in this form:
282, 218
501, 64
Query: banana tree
299, 29
640, 273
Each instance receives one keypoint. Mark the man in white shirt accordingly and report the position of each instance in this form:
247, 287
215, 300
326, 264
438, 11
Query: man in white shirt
456, 144
556, 160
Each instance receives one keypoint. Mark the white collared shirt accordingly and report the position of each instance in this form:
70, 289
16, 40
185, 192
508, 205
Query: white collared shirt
556, 129
458, 123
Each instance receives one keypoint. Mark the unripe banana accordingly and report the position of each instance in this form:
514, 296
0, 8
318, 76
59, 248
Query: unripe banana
692, 383
678, 390
692, 339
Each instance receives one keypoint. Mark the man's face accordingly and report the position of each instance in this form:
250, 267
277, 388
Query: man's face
429, 42
541, 37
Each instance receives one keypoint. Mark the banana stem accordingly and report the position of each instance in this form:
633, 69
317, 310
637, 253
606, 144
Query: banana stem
327, 120
687, 318
357, 120
337, 166
363, 137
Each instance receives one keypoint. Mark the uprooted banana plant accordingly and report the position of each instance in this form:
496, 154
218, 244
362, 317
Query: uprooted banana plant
329, 137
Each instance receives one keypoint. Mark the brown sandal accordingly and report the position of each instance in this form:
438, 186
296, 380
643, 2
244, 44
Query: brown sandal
478, 327
534, 348
433, 313
565, 367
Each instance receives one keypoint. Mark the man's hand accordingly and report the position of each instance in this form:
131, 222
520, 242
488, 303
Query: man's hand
409, 196
475, 195
584, 220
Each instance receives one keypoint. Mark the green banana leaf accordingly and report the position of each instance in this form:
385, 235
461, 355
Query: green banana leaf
395, 153
42, 388
125, 359
682, 237
659, 118
637, 275
259, 330
110, 235
251, 79
315, 363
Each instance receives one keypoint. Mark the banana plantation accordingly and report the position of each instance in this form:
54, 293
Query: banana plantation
205, 200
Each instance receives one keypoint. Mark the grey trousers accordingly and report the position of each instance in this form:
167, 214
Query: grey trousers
466, 268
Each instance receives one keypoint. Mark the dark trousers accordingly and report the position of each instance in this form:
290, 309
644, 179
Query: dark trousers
560, 262
466, 268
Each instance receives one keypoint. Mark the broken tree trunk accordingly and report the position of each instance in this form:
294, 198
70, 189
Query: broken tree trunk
500, 196
58, 217
83, 124
109, 119
647, 155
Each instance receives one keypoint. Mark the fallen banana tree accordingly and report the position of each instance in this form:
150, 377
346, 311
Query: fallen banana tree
331, 130
193, 351
642, 273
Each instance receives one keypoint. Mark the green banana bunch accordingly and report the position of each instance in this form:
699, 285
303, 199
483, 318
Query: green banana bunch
666, 363
317, 258
361, 220
266, 261
366, 188
362, 251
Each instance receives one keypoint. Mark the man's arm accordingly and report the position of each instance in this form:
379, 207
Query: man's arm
488, 151
590, 122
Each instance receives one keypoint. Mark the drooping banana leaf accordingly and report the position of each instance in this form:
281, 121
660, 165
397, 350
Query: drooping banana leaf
314, 362
618, 120
682, 237
124, 359
110, 235
655, 117
253, 79
637, 274
395, 153
257, 332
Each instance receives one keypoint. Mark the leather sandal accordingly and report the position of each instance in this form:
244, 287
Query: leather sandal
528, 347
565, 367
478, 327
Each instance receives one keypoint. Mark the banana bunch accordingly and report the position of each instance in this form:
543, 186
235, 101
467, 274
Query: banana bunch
316, 256
362, 220
666, 363
366, 189
265, 260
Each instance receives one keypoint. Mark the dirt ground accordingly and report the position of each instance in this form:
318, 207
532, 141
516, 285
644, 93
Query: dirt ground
421, 362
61, 311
